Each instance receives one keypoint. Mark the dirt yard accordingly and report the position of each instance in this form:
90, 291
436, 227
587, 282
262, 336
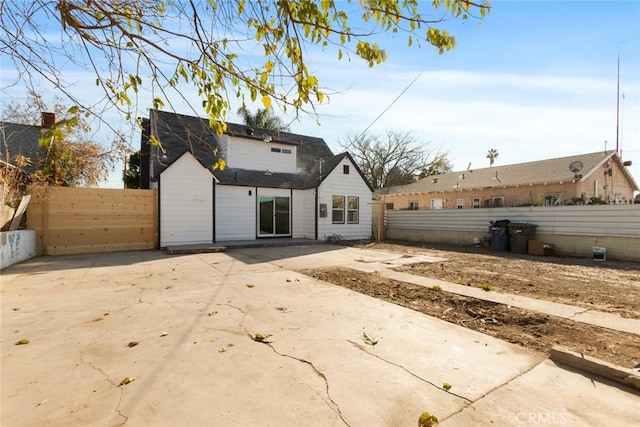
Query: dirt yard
604, 286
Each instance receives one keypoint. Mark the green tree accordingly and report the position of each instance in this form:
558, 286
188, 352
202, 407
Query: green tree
263, 118
492, 155
153, 46
131, 174
439, 165
398, 158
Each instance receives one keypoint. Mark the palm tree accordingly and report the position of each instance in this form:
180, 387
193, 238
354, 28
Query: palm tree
492, 155
263, 118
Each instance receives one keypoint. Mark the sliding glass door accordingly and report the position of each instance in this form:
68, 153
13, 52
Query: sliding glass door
274, 217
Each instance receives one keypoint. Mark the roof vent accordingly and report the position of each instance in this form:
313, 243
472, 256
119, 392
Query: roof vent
627, 163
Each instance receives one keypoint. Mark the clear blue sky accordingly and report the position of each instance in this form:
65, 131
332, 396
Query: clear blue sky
533, 80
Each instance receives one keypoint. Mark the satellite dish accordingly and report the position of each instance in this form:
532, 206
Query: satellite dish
576, 166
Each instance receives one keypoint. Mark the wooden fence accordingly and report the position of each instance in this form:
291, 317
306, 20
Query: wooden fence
82, 220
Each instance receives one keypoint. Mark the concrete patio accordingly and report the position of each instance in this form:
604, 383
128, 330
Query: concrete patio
197, 361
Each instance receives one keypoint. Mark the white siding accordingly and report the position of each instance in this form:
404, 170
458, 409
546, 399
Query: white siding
340, 184
298, 214
257, 155
309, 214
186, 203
235, 213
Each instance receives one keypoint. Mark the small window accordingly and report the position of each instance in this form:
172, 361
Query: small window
353, 209
323, 210
476, 202
459, 203
337, 213
345, 169
389, 206
497, 201
552, 199
414, 205
281, 150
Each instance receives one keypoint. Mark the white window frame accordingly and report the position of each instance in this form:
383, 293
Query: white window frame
355, 210
459, 203
335, 209
477, 203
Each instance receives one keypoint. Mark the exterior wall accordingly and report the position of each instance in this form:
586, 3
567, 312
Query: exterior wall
572, 229
257, 155
340, 184
298, 214
71, 220
309, 214
235, 213
16, 246
533, 195
608, 188
186, 203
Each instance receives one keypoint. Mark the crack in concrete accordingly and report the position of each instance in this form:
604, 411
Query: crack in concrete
578, 313
104, 374
492, 390
413, 374
334, 406
332, 403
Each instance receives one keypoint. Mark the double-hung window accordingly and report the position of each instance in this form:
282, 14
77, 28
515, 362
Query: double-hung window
353, 209
337, 213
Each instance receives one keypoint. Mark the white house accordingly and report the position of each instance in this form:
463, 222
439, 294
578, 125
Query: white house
276, 184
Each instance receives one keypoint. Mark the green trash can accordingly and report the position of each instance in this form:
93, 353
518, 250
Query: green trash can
520, 233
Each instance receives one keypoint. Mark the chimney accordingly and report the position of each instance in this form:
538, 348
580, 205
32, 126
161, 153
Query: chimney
48, 120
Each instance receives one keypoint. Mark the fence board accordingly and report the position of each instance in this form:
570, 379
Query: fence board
81, 220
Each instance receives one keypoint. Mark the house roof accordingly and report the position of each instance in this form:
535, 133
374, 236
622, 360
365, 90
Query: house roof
20, 140
530, 173
178, 134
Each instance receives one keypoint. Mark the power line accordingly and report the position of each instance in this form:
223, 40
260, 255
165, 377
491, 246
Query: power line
390, 105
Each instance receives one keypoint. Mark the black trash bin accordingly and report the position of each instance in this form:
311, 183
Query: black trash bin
499, 235
520, 233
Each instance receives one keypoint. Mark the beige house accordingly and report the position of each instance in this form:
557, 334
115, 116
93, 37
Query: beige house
582, 179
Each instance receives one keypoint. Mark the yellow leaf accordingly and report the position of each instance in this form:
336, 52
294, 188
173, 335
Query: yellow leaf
266, 101
268, 67
126, 380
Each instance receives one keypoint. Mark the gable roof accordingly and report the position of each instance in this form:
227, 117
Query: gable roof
530, 173
20, 140
178, 134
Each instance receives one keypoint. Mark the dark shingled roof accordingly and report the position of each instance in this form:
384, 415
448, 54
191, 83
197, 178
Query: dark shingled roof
537, 172
178, 134
20, 140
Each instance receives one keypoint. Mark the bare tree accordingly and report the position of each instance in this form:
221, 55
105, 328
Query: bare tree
67, 158
398, 158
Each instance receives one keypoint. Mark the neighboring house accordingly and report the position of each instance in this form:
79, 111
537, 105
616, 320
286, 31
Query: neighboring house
20, 140
20, 152
275, 184
581, 179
